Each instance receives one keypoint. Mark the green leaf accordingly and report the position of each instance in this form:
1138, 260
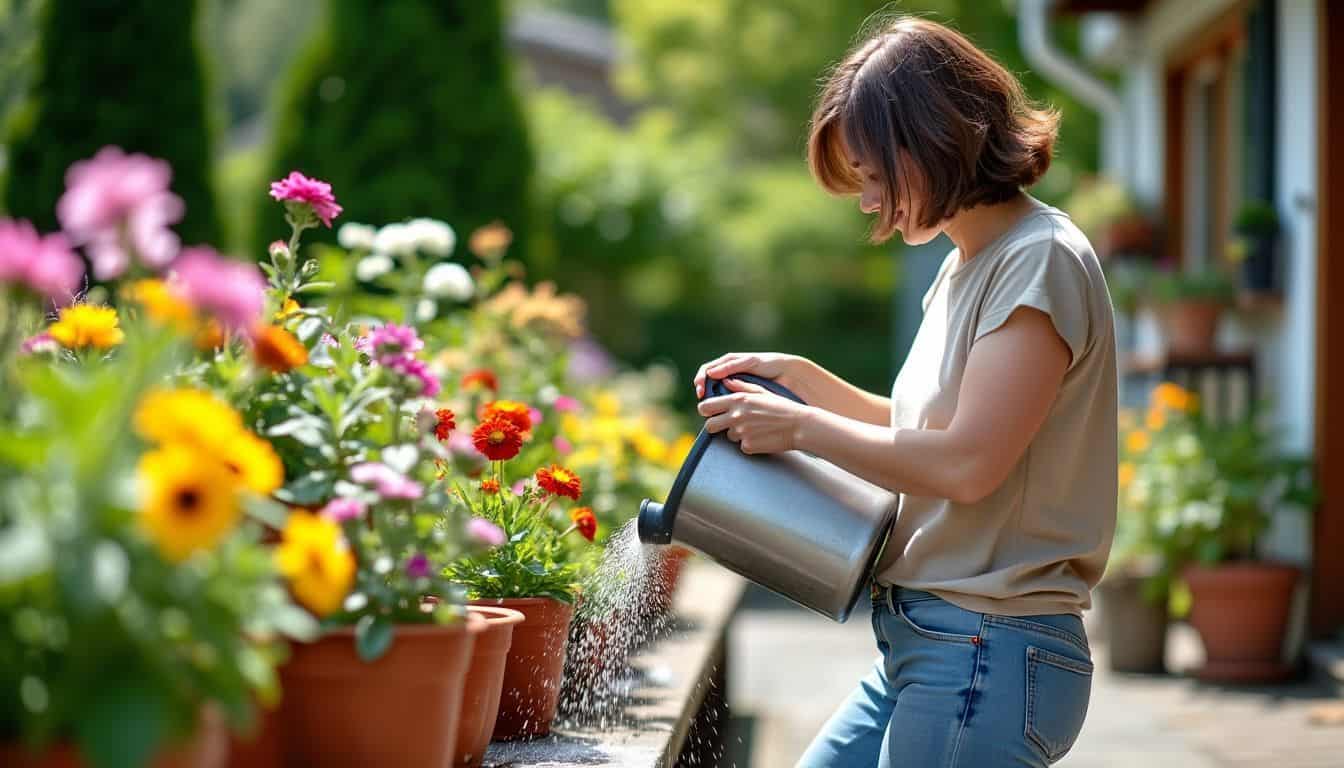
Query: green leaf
373, 636
123, 724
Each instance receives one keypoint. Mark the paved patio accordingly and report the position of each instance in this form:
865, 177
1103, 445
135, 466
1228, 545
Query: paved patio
789, 669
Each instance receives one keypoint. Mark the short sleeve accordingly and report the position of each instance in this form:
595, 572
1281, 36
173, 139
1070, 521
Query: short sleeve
1046, 276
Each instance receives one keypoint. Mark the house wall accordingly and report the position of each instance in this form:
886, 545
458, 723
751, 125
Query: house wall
1284, 337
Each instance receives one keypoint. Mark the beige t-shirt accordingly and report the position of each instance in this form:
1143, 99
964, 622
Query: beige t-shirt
1038, 543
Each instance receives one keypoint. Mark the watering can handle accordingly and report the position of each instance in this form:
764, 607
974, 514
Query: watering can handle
716, 388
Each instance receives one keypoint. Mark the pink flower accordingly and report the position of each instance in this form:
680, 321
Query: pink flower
329, 341
342, 509
391, 341
115, 200
389, 483
519, 487
562, 446
232, 291
484, 532
39, 343
565, 404
418, 566
416, 370
460, 444
278, 249
535, 415
45, 265
297, 188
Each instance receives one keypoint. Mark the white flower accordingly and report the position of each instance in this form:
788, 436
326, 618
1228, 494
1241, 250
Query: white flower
425, 310
371, 268
354, 236
1202, 513
432, 236
1186, 446
394, 239
449, 281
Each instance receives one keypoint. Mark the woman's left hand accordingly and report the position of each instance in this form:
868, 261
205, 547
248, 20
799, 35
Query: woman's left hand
758, 420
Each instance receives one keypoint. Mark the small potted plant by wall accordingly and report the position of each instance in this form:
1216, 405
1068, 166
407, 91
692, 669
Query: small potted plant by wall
1256, 247
1190, 305
531, 570
1213, 488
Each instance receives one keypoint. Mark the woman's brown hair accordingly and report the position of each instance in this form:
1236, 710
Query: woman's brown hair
962, 119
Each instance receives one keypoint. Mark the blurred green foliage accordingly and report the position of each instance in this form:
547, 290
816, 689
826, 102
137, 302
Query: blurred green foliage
123, 72
407, 108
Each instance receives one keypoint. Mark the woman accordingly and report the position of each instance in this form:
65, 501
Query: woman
1000, 432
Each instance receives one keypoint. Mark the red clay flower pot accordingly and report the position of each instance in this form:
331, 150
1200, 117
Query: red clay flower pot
536, 663
666, 575
1191, 326
207, 748
485, 679
399, 710
1241, 612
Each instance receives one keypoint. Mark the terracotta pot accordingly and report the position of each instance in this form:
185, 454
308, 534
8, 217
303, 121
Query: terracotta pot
531, 689
207, 748
399, 710
261, 747
666, 576
1191, 326
485, 679
1241, 612
1135, 628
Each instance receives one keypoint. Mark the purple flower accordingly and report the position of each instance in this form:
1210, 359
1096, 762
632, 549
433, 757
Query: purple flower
565, 404
232, 291
113, 200
328, 340
562, 446
484, 532
588, 361
42, 342
362, 344
389, 483
45, 265
415, 369
418, 566
297, 188
342, 509
392, 341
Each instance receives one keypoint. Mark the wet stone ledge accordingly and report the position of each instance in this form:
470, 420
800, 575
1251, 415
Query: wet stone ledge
669, 707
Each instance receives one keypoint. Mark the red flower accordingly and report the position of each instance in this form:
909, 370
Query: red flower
585, 521
490, 486
560, 481
482, 377
445, 423
497, 439
514, 411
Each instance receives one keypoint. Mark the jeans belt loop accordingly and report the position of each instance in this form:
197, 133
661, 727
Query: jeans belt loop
891, 605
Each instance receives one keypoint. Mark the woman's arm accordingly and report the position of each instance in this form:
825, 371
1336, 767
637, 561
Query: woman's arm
823, 389
1011, 379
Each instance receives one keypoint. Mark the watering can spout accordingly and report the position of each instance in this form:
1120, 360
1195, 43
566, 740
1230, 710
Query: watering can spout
655, 525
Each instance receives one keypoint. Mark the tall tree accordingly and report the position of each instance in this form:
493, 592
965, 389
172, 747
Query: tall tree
407, 107
123, 72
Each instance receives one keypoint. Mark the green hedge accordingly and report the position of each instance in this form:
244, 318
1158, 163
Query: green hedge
407, 107
124, 72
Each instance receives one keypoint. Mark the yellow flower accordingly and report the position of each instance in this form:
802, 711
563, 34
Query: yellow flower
1125, 474
161, 305
676, 455
253, 462
290, 308
1173, 397
1157, 419
85, 325
649, 446
188, 501
190, 416
1138, 441
314, 557
607, 404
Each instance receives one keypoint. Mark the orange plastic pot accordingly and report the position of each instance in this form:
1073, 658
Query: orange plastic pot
535, 666
485, 679
399, 710
207, 748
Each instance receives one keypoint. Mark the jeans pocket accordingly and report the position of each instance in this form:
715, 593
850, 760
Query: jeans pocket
940, 620
1058, 689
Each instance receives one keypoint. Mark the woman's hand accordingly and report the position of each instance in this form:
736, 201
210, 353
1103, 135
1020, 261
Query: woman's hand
785, 369
758, 420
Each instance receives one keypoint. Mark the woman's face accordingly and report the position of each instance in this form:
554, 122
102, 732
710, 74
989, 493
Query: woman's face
909, 205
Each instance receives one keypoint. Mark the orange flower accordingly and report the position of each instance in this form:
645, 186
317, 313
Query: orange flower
445, 423
517, 413
211, 337
1174, 397
497, 439
585, 521
1125, 474
277, 349
560, 481
1156, 419
481, 377
1138, 441
490, 486
490, 240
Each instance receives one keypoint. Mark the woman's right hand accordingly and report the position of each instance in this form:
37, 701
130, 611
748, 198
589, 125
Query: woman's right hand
770, 365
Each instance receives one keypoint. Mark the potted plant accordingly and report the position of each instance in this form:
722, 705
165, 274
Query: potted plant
1106, 212
1190, 305
1211, 488
1256, 246
530, 571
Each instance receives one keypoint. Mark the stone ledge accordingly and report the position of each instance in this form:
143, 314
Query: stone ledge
676, 677
1327, 659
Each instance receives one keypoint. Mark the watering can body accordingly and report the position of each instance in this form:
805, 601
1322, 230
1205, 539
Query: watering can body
791, 522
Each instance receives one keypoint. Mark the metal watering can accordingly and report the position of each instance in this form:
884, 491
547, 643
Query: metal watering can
791, 522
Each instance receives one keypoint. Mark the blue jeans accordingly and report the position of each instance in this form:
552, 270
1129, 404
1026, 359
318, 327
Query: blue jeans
957, 688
